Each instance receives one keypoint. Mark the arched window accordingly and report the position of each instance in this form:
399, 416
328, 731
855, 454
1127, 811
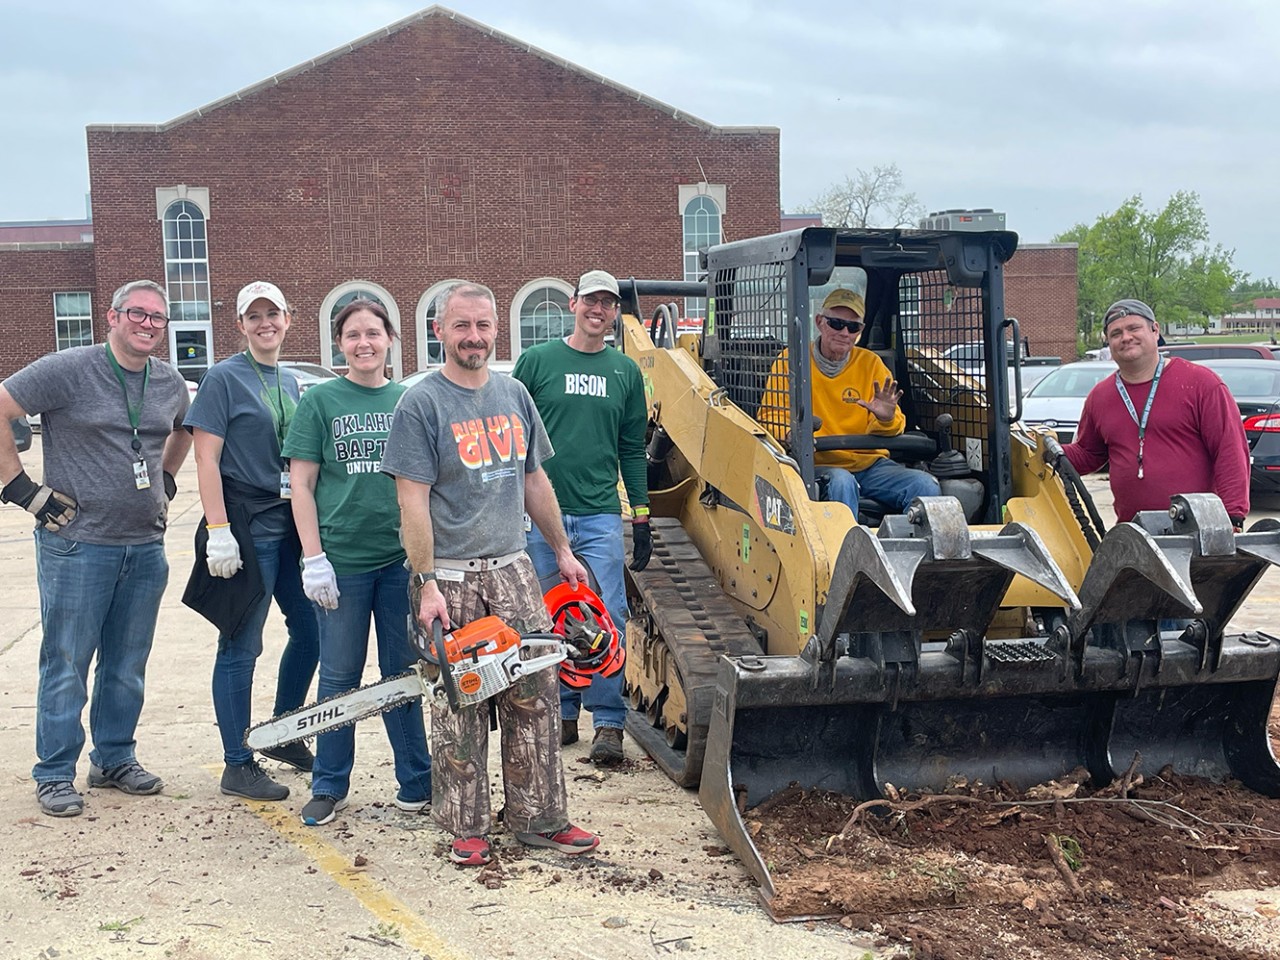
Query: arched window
332, 305
186, 261
540, 312
430, 349
701, 230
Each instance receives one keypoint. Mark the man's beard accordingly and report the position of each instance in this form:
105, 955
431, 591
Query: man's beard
474, 362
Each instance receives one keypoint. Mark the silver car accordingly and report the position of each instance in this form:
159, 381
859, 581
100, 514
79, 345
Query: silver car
1057, 400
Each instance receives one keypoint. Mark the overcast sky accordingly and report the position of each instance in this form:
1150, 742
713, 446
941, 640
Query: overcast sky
1054, 111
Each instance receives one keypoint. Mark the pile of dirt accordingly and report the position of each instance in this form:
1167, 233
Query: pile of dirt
1056, 871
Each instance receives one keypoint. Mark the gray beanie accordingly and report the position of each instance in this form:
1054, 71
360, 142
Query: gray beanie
1127, 308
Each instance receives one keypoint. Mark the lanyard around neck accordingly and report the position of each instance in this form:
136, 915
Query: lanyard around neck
135, 412
1146, 410
280, 424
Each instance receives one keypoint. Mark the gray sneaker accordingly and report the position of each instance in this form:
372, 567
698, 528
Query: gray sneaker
321, 810
250, 781
128, 777
59, 798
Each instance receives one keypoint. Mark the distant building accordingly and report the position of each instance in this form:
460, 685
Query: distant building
1262, 319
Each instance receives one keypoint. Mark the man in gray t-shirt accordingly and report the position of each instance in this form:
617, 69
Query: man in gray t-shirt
112, 438
466, 448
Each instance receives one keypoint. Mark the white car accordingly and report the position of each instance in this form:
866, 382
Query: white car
308, 374
1057, 400
499, 366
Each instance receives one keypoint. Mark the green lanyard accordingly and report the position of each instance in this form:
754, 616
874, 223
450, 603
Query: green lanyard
135, 413
281, 429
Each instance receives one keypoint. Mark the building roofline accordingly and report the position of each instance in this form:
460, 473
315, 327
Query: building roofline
46, 223
435, 10
1048, 246
30, 246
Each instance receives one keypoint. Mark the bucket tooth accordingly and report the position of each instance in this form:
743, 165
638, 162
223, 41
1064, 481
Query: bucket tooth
1132, 577
1019, 548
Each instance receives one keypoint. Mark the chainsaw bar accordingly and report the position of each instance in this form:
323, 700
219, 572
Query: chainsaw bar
338, 711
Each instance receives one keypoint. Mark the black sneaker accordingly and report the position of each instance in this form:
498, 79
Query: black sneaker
606, 748
59, 798
250, 781
296, 755
129, 777
322, 810
568, 731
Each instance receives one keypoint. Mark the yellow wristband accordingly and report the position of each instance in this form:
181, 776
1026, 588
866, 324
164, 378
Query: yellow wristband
639, 511
216, 526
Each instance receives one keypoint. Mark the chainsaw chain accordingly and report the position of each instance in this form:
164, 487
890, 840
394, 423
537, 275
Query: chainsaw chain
348, 723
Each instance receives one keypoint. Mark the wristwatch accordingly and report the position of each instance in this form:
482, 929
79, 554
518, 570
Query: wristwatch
420, 579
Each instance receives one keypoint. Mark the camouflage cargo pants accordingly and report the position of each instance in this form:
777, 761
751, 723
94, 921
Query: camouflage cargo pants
528, 720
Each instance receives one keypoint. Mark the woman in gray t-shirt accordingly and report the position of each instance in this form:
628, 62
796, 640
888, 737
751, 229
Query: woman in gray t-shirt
239, 420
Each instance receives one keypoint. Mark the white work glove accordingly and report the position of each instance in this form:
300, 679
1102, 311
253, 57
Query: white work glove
223, 553
319, 582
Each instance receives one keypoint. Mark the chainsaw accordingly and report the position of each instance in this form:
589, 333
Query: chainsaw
467, 666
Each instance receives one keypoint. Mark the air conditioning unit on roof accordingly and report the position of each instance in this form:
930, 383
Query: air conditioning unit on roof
981, 218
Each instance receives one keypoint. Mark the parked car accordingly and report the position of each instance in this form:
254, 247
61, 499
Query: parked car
498, 366
21, 433
308, 374
1057, 401
1219, 351
1255, 385
969, 357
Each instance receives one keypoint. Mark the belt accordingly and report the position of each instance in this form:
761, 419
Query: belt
478, 563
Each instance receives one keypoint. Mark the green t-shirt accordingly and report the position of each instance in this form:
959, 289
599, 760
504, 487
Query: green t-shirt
594, 408
343, 427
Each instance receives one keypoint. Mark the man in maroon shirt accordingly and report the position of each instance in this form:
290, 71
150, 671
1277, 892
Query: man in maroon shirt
1167, 426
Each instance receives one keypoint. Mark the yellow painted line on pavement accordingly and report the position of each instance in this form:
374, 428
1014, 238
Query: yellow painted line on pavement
376, 899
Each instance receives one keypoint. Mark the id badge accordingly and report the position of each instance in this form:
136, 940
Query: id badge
140, 478
286, 489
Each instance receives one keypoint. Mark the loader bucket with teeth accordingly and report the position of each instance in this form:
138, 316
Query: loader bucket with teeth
861, 708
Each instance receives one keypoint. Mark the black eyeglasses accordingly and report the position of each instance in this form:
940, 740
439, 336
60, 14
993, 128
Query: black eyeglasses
591, 300
835, 323
137, 315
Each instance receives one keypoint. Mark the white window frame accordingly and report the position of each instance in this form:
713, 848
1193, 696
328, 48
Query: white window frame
717, 194
523, 294
422, 325
325, 321
204, 286
58, 318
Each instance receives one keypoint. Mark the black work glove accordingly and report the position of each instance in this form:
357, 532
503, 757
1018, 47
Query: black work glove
52, 509
170, 486
641, 544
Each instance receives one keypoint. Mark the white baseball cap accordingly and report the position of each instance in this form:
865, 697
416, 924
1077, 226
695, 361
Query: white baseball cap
259, 290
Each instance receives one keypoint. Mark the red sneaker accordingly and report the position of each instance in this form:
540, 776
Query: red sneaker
570, 839
470, 851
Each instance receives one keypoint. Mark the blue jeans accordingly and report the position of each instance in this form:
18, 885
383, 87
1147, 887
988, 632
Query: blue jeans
94, 599
890, 483
233, 667
344, 645
597, 539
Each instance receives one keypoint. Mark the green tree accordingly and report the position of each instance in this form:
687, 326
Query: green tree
870, 198
1163, 258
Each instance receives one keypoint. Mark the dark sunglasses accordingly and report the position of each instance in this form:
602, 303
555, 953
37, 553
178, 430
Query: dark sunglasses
835, 323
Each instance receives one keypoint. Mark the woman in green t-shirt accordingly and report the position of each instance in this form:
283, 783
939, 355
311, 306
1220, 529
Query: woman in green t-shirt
353, 565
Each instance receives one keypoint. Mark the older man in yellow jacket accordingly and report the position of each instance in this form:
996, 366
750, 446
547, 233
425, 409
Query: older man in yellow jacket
853, 393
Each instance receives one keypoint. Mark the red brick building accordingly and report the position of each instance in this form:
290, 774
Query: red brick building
1040, 287
433, 149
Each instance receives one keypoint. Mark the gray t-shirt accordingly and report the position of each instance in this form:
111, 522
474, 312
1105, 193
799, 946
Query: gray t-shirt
474, 448
251, 411
84, 422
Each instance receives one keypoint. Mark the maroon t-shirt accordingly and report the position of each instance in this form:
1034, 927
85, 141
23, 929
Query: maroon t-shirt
1195, 441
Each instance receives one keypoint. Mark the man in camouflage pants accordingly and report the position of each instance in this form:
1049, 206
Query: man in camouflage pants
466, 448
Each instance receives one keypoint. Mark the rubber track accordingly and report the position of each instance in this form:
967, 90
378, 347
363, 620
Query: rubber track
698, 624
